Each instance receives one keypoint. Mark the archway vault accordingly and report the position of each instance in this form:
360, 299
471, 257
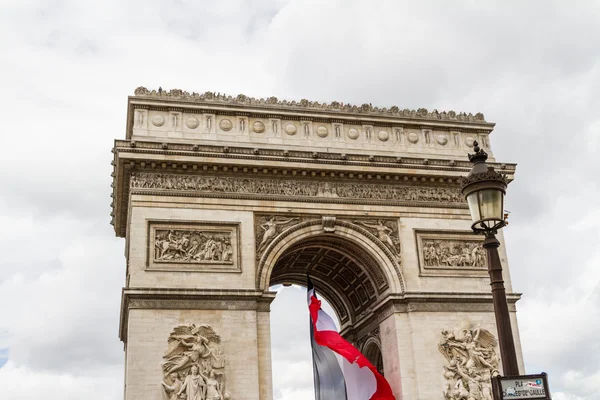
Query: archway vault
351, 267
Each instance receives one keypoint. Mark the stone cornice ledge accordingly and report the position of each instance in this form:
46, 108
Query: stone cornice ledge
190, 299
445, 301
249, 153
409, 302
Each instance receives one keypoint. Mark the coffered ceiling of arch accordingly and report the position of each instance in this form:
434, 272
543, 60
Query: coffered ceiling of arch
354, 279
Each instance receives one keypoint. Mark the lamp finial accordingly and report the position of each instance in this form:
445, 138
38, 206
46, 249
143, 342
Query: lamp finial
480, 155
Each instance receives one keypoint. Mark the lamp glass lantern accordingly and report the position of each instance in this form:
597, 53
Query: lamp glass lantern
484, 189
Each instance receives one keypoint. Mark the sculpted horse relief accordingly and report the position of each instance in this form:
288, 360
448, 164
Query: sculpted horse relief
193, 246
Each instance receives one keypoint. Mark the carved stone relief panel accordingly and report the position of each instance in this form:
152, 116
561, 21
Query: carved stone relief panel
386, 230
190, 245
209, 122
175, 121
140, 119
294, 189
472, 361
268, 227
194, 365
454, 253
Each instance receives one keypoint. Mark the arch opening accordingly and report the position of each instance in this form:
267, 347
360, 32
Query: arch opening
372, 350
349, 278
350, 271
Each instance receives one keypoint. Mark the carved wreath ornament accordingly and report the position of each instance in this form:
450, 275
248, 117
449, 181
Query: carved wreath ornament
472, 361
194, 365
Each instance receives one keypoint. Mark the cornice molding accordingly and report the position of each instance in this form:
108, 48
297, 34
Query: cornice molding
273, 104
281, 155
190, 299
409, 302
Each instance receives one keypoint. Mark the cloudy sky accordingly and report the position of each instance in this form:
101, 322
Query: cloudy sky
67, 66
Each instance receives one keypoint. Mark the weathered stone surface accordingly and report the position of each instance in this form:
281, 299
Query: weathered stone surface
220, 197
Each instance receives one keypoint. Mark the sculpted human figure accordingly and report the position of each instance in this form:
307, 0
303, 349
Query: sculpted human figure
227, 250
191, 252
383, 232
171, 390
450, 373
472, 361
172, 245
476, 356
213, 386
197, 346
270, 228
459, 391
194, 386
472, 379
195, 353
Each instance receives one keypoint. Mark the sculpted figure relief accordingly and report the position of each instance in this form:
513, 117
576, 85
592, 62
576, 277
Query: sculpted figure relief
269, 226
173, 245
387, 232
193, 366
294, 188
472, 362
454, 253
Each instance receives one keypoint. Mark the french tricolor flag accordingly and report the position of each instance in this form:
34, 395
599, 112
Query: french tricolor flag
341, 372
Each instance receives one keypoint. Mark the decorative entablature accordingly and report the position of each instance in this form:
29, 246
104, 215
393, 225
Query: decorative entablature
194, 170
179, 116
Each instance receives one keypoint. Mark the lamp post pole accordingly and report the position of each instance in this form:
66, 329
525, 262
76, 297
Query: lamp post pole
484, 189
505, 334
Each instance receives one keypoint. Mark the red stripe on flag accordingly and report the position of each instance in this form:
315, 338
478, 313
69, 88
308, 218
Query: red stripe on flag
337, 343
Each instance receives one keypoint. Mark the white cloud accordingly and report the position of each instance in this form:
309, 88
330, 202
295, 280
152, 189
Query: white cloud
531, 67
22, 383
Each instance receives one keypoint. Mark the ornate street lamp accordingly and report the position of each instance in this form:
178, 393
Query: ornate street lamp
484, 188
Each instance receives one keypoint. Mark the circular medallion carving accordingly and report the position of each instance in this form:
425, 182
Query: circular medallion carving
322, 131
353, 134
158, 120
258, 127
290, 129
383, 136
226, 124
413, 137
442, 139
469, 141
192, 122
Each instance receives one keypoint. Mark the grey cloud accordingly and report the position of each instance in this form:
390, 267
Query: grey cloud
531, 67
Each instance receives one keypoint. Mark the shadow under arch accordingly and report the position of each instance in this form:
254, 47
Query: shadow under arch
351, 268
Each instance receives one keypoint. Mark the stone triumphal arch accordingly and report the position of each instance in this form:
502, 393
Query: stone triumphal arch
221, 197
